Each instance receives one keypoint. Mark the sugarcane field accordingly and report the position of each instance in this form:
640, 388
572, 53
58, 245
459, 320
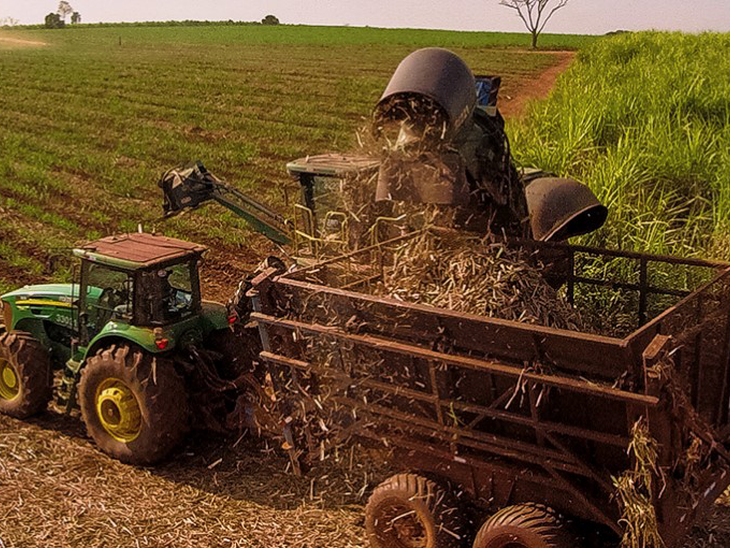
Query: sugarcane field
371, 275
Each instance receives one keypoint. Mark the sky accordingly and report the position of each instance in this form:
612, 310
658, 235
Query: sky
579, 16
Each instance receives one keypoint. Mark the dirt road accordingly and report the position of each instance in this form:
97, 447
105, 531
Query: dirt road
539, 88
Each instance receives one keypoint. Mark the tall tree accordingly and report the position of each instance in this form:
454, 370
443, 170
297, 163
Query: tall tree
75, 18
64, 10
535, 14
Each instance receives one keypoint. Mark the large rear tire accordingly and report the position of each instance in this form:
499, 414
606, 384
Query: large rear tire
26, 379
133, 404
524, 526
411, 511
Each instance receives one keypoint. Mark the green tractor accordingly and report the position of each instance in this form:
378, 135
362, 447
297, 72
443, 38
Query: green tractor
122, 336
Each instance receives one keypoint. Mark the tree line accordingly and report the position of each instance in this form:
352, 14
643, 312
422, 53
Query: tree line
535, 14
57, 19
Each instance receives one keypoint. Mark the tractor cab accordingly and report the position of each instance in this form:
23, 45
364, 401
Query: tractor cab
321, 218
137, 279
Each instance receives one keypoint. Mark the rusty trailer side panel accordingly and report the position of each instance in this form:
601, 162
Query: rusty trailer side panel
510, 412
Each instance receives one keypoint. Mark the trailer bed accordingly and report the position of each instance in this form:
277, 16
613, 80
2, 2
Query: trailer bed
511, 412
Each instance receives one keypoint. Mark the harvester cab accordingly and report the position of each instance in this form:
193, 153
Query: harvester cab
321, 218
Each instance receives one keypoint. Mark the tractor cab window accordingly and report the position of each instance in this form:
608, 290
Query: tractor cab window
169, 292
109, 296
179, 287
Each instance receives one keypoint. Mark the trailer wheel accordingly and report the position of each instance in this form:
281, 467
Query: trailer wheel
26, 381
524, 526
133, 404
410, 511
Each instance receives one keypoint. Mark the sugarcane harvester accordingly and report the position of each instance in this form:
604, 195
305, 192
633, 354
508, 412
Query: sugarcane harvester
441, 142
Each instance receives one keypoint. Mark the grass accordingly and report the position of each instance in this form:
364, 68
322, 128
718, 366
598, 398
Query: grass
644, 119
254, 33
90, 121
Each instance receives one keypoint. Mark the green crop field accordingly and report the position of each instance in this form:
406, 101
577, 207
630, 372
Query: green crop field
89, 121
644, 119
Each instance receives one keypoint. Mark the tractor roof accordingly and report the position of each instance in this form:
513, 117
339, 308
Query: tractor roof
137, 250
332, 165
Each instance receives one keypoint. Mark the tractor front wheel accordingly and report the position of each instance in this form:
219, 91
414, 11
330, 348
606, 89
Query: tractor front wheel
133, 404
411, 511
524, 526
26, 381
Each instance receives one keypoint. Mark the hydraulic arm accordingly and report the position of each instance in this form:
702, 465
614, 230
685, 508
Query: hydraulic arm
192, 186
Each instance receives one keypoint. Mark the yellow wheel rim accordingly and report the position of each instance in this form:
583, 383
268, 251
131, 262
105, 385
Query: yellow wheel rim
9, 381
118, 410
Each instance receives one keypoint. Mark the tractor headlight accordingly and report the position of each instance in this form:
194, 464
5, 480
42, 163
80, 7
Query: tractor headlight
7, 314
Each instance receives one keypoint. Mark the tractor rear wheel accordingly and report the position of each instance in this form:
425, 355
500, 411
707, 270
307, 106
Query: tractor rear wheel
411, 511
26, 379
133, 404
524, 526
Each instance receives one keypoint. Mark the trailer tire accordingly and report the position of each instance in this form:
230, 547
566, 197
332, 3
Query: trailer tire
26, 376
434, 519
524, 526
133, 403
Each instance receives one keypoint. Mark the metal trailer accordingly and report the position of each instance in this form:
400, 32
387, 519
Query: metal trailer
508, 414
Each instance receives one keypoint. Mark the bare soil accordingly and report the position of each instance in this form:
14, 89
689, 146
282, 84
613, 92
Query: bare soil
7, 42
539, 88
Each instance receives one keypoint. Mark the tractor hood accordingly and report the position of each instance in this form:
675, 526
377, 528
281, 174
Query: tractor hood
56, 292
62, 293
46, 302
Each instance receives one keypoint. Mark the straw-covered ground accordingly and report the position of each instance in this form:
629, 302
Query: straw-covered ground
57, 490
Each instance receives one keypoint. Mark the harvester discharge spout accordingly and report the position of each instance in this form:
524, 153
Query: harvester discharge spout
443, 142
440, 147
